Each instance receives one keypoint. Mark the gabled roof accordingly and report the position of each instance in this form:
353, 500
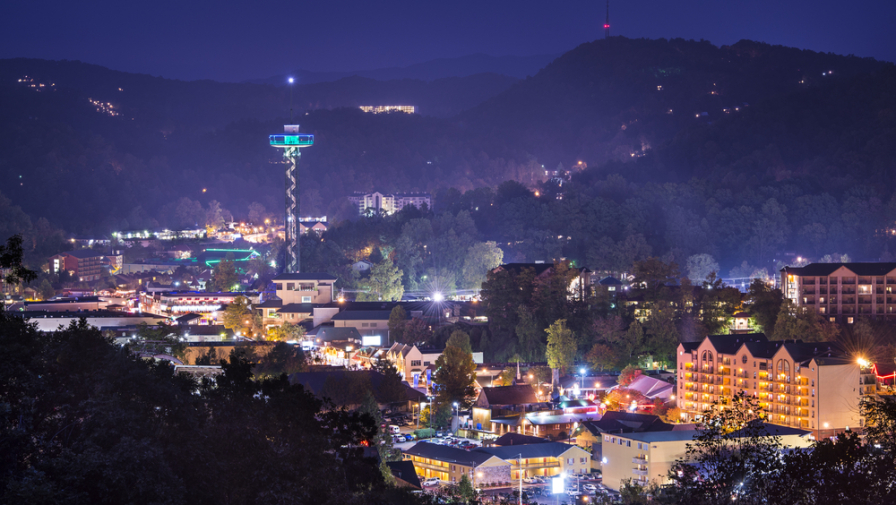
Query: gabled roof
651, 388
509, 395
449, 454
545, 450
824, 269
729, 344
690, 346
271, 303
609, 281
310, 276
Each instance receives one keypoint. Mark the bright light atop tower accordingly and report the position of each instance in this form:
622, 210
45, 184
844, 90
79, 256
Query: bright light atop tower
291, 80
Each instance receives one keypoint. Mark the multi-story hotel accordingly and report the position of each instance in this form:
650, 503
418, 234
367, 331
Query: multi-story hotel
812, 386
842, 291
389, 203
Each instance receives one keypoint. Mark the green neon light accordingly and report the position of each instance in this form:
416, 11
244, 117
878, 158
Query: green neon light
291, 140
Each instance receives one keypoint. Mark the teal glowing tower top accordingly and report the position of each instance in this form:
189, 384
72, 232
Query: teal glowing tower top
291, 141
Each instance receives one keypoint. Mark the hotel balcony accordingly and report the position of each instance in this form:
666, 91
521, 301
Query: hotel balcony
639, 461
638, 471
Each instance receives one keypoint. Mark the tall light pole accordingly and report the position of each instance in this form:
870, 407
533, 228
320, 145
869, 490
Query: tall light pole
456, 416
582, 378
431, 414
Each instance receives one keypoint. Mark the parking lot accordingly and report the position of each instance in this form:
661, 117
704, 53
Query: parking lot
540, 492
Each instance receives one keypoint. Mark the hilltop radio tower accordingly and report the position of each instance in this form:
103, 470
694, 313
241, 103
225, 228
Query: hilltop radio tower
607, 22
291, 141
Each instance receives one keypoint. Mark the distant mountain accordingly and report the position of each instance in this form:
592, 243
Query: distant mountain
735, 117
617, 98
513, 66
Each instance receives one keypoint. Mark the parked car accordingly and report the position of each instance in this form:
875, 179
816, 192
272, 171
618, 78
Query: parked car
432, 481
530, 480
409, 437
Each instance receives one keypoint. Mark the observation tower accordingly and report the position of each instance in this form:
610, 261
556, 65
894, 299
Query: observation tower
291, 141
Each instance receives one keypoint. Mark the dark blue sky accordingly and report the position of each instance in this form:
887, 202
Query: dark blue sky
236, 40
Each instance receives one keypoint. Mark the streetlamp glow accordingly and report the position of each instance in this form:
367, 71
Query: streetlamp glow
438, 297
291, 80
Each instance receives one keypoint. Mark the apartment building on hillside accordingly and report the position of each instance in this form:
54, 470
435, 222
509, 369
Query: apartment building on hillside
377, 202
814, 386
843, 291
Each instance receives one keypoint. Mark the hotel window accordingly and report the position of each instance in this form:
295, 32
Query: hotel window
743, 359
628, 443
570, 461
306, 299
415, 362
581, 460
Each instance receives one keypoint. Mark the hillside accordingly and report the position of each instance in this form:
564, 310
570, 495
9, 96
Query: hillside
819, 145
614, 98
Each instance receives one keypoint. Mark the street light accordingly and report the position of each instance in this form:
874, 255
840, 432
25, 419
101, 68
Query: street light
582, 378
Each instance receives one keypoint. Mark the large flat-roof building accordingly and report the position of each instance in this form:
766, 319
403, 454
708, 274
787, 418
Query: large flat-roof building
84, 264
648, 456
842, 291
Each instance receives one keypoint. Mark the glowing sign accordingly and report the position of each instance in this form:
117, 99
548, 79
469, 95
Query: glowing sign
283, 140
557, 485
372, 341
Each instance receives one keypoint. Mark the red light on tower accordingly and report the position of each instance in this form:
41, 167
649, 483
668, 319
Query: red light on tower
606, 27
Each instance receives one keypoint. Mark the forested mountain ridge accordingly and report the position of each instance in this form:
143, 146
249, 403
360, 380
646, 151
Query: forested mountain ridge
809, 150
614, 98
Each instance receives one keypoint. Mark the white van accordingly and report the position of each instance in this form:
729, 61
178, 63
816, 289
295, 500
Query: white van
394, 429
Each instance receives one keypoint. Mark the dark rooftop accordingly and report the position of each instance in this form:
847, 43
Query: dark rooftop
405, 471
729, 344
545, 450
518, 439
509, 395
824, 269
449, 454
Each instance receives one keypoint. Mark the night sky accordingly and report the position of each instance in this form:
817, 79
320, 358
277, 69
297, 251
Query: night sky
235, 40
